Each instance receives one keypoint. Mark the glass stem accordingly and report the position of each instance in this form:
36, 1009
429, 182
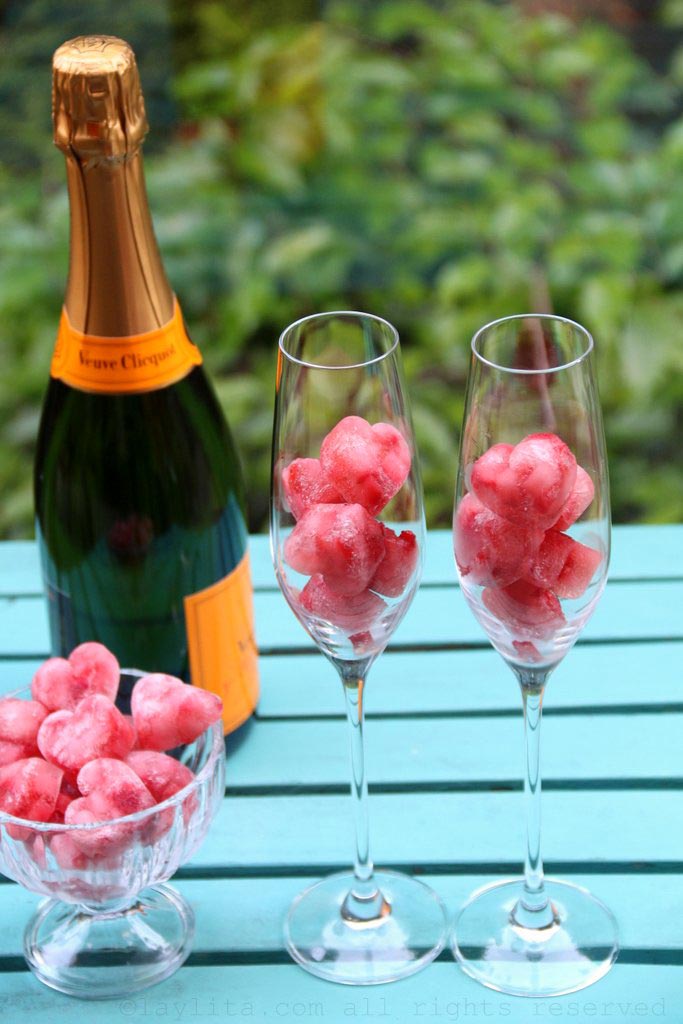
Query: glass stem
364, 906
534, 909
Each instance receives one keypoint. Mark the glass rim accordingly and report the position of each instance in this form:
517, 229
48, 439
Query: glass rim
214, 731
354, 313
590, 343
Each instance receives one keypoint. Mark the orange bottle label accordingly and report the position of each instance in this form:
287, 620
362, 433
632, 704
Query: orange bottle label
222, 644
140, 362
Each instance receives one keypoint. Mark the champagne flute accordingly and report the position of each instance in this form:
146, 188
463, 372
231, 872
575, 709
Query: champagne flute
347, 538
532, 544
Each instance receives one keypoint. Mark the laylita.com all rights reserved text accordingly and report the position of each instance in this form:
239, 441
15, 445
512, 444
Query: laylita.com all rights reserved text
365, 1008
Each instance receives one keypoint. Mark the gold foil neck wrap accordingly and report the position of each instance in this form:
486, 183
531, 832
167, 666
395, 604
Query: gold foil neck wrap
97, 107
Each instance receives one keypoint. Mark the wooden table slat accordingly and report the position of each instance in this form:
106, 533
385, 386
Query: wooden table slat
242, 914
638, 552
473, 682
459, 683
409, 752
446, 828
437, 617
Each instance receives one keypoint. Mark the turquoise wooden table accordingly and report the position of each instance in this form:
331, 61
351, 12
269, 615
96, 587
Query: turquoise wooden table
444, 761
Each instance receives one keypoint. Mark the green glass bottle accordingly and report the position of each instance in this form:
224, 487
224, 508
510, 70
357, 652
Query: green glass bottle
138, 491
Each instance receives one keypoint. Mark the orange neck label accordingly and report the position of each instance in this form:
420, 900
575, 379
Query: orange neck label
140, 362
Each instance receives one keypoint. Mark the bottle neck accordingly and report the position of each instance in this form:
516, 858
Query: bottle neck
117, 285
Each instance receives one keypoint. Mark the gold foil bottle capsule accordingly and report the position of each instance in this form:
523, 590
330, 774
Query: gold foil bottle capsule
98, 110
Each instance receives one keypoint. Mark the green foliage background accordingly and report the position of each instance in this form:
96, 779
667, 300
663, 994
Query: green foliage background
438, 163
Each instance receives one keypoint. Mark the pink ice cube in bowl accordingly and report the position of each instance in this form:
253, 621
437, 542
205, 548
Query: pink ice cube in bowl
109, 925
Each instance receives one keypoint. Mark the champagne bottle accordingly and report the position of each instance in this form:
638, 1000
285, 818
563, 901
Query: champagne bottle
139, 499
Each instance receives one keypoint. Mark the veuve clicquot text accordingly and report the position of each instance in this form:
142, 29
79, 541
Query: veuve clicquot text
139, 497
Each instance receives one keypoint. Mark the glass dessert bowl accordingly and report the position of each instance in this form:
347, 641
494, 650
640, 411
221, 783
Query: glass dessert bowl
109, 926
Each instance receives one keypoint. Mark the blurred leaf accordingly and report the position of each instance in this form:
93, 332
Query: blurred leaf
440, 164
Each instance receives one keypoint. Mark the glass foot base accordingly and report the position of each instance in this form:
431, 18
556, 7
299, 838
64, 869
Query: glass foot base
109, 955
409, 931
577, 948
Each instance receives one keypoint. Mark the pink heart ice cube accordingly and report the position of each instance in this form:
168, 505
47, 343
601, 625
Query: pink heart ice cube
67, 793
29, 789
111, 789
305, 485
61, 683
20, 721
527, 651
129, 719
490, 550
109, 782
106, 841
368, 465
578, 501
164, 777
35, 847
342, 542
563, 565
527, 484
19, 724
67, 853
579, 568
169, 713
10, 751
102, 856
95, 728
352, 614
398, 564
529, 612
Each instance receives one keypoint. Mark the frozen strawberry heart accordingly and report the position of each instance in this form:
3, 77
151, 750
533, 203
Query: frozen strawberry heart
527, 484
35, 846
67, 853
578, 501
19, 724
492, 465
51, 683
20, 721
527, 651
105, 841
10, 751
578, 570
563, 565
67, 793
62, 683
490, 550
164, 777
398, 564
367, 464
363, 643
529, 612
70, 857
129, 719
342, 542
111, 789
169, 713
95, 728
29, 789
352, 614
110, 783
305, 485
